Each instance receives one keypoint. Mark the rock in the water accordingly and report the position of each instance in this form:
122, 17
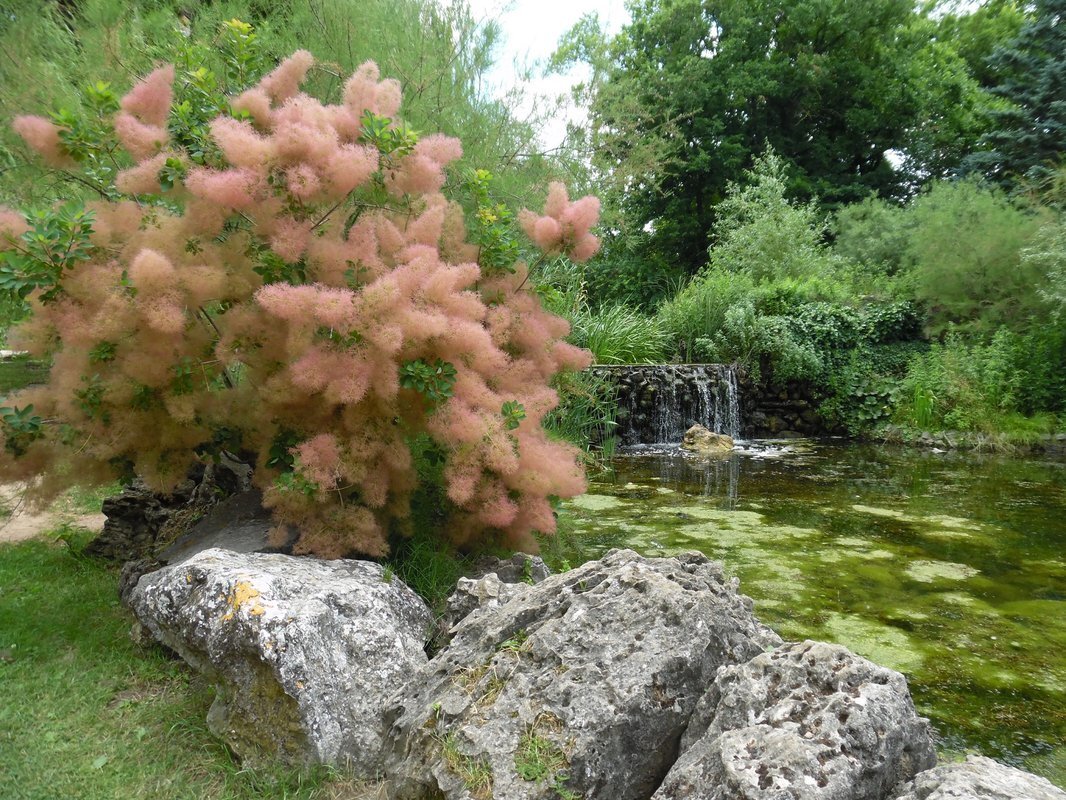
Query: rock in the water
704, 442
303, 652
978, 778
807, 721
579, 685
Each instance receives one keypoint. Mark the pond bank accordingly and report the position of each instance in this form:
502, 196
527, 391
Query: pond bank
1052, 445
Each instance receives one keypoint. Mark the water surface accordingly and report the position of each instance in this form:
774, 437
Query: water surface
948, 567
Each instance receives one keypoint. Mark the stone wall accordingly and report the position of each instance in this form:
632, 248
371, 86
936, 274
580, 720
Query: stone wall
657, 403
780, 410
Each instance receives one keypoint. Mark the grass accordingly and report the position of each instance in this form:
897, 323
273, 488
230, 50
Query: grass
1002, 432
15, 373
620, 335
87, 500
87, 713
475, 773
540, 759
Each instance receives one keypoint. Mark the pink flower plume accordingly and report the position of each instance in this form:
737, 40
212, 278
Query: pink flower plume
564, 226
360, 91
12, 226
320, 459
239, 142
149, 100
42, 136
256, 103
142, 178
351, 166
231, 188
440, 148
284, 82
140, 140
302, 181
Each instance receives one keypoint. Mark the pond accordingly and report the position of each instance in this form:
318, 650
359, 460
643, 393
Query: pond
948, 567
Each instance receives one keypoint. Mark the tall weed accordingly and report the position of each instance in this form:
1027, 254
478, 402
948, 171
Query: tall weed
620, 335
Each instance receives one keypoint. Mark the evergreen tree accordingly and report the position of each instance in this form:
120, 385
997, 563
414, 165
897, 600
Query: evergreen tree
1030, 137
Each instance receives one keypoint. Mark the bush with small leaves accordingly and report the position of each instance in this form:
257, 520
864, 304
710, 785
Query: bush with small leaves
266, 273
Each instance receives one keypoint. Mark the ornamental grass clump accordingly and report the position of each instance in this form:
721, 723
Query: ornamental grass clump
284, 277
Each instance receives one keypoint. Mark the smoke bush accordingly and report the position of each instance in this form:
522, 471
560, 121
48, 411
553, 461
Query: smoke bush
289, 280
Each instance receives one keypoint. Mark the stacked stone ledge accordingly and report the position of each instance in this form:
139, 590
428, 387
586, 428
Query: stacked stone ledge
627, 678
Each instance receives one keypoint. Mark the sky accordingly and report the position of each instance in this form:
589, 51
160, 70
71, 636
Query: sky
530, 32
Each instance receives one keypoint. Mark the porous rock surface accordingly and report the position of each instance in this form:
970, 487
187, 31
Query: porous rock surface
578, 686
472, 594
492, 583
805, 721
303, 652
519, 568
978, 778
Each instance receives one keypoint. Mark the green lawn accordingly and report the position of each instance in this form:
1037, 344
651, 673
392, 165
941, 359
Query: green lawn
88, 714
16, 373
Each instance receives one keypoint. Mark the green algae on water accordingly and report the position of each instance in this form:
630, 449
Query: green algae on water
883, 644
596, 502
930, 571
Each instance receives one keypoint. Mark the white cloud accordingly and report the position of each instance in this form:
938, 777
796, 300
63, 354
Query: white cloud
531, 30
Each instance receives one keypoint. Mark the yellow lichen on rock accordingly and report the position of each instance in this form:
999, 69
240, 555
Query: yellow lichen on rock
241, 596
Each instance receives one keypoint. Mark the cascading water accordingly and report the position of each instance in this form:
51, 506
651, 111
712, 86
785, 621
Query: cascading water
658, 404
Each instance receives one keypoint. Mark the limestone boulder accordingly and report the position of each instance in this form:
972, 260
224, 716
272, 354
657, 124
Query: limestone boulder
519, 568
978, 778
806, 721
472, 594
703, 442
580, 685
303, 653
492, 582
239, 523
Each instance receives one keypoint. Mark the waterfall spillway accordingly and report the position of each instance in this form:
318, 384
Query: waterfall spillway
657, 404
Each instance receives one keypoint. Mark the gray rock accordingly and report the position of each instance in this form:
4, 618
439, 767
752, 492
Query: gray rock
131, 573
978, 778
134, 520
582, 683
140, 522
493, 582
472, 594
303, 652
806, 721
238, 523
519, 568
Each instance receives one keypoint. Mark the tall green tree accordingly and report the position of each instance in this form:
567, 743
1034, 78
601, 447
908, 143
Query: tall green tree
1028, 138
691, 91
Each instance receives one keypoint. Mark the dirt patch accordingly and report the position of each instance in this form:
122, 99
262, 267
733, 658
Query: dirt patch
20, 522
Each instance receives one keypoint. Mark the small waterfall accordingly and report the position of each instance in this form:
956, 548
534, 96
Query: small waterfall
659, 403
731, 417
